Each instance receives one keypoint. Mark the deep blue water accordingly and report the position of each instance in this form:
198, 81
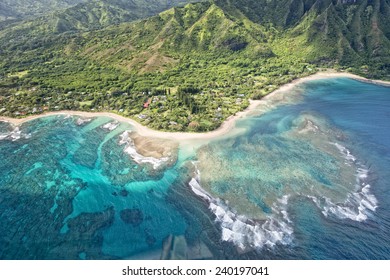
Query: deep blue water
308, 179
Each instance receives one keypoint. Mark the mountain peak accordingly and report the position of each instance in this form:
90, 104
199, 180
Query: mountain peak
207, 58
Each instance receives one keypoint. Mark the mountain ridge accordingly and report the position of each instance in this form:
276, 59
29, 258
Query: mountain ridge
20, 9
194, 65
102, 13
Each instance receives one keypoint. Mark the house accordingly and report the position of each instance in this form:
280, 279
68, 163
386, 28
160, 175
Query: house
146, 104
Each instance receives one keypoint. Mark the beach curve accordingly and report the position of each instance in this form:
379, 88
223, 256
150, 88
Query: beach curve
225, 127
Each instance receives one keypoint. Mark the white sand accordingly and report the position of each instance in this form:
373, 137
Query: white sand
226, 126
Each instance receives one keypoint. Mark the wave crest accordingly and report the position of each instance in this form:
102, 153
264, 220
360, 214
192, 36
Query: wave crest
110, 126
130, 149
15, 135
82, 121
247, 233
359, 204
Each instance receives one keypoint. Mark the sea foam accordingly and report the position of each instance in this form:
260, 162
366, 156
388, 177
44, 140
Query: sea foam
15, 135
110, 126
247, 233
81, 121
358, 204
130, 149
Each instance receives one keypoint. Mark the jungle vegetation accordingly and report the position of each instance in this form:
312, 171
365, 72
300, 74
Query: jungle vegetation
189, 67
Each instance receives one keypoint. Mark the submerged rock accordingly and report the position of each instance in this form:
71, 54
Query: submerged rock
124, 193
134, 217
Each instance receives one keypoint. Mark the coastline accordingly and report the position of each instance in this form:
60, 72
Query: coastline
225, 127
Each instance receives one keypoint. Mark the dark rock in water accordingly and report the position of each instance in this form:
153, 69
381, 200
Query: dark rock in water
132, 216
124, 193
151, 191
150, 240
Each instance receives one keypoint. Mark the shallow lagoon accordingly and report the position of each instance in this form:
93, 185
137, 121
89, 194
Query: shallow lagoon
306, 179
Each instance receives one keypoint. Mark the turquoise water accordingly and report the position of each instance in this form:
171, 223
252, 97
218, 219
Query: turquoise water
307, 179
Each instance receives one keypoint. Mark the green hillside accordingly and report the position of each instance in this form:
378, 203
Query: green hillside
192, 66
19, 9
102, 13
85, 16
58, 16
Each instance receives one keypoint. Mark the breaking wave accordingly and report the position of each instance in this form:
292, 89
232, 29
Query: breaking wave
277, 227
130, 149
247, 233
111, 125
15, 135
82, 121
359, 204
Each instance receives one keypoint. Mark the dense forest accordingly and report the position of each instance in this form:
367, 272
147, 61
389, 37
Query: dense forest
187, 68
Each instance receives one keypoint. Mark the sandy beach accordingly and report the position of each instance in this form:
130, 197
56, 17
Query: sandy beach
226, 126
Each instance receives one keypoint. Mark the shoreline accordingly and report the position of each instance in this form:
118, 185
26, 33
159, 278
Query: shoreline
225, 127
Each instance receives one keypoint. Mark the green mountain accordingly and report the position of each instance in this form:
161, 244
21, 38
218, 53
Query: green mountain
98, 14
344, 30
74, 15
87, 15
194, 65
19, 9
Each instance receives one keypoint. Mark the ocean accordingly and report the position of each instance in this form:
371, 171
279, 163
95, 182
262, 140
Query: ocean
305, 176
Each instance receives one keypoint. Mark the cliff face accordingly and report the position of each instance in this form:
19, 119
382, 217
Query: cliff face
346, 32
